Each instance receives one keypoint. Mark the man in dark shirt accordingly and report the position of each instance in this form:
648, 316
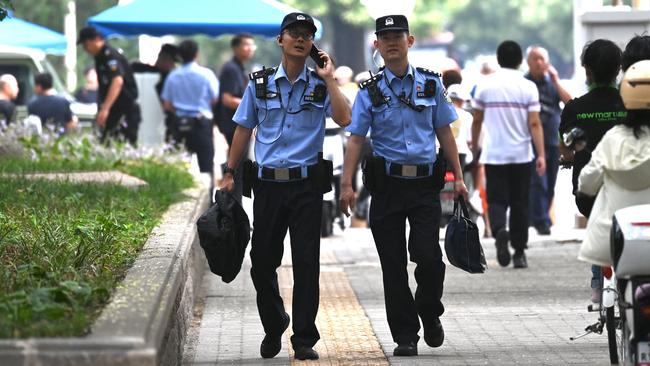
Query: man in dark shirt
551, 92
8, 93
53, 110
233, 81
117, 88
595, 112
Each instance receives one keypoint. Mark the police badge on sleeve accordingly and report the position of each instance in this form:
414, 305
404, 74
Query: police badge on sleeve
113, 65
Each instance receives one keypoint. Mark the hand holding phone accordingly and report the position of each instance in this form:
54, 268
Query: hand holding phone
316, 57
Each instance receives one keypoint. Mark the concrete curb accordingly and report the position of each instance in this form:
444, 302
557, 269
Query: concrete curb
146, 321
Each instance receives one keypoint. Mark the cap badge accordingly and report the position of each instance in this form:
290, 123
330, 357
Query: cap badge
389, 21
300, 17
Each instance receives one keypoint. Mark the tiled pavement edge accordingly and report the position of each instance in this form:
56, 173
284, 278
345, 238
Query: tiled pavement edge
502, 317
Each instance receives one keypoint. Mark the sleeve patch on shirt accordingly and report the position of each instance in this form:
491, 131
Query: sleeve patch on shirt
113, 65
444, 93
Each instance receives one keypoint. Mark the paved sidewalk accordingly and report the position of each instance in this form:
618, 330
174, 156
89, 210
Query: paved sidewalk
503, 317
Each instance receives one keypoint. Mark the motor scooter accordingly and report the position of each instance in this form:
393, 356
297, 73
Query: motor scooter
624, 308
630, 246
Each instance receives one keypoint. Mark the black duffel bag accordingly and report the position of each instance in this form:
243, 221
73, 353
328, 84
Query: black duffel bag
462, 244
224, 232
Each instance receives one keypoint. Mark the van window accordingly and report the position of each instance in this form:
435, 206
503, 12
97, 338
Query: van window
25, 76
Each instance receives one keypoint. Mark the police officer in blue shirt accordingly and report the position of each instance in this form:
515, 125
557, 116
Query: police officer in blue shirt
287, 106
405, 108
189, 93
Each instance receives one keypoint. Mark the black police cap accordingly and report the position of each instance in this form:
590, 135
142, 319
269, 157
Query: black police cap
298, 18
86, 33
391, 23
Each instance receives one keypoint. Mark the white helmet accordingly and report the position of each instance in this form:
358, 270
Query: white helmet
635, 87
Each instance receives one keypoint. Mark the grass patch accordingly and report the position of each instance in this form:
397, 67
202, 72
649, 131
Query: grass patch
64, 246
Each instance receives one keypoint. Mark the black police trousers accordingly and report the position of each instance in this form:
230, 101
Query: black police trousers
199, 141
404, 199
508, 186
296, 206
127, 127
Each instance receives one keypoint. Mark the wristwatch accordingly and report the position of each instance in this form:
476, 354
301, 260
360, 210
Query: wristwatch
226, 169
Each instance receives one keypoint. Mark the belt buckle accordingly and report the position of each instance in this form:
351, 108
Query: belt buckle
409, 170
281, 174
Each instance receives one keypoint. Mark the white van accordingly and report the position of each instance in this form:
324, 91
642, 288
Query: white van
24, 63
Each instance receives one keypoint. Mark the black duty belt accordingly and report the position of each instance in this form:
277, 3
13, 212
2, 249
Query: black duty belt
411, 171
282, 174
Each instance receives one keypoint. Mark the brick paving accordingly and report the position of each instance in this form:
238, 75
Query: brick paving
502, 317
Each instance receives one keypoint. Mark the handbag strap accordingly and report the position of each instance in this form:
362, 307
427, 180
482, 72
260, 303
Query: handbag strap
463, 207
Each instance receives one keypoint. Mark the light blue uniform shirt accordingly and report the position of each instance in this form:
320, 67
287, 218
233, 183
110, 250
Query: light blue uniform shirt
398, 133
191, 89
290, 124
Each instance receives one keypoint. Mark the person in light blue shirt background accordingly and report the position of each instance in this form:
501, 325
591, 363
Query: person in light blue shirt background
405, 109
287, 107
189, 93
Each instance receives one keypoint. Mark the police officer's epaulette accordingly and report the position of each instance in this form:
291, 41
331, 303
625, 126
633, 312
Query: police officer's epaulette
373, 80
264, 73
428, 72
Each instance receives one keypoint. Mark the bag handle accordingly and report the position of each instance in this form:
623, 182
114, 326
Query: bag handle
463, 207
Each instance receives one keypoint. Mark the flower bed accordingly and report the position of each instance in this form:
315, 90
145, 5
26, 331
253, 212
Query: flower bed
65, 246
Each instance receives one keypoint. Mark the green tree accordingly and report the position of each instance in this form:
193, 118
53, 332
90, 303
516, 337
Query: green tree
5, 6
482, 25
347, 22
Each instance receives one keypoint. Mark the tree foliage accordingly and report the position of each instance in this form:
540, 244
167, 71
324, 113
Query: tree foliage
482, 25
478, 25
5, 6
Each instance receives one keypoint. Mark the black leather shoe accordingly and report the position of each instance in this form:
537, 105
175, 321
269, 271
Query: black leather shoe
434, 334
503, 254
406, 349
305, 353
543, 230
271, 345
519, 260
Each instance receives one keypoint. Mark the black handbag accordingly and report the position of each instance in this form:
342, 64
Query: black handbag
462, 244
224, 232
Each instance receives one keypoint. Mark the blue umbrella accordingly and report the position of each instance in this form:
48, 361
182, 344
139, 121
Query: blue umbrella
17, 32
189, 17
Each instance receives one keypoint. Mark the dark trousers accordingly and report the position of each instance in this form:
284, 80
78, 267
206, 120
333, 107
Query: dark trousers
389, 210
128, 127
296, 206
199, 141
507, 187
172, 135
542, 189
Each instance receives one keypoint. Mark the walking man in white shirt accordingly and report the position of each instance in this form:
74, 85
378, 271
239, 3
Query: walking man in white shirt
509, 106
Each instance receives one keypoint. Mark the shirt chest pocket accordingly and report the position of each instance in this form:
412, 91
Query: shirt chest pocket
426, 115
311, 115
269, 111
387, 115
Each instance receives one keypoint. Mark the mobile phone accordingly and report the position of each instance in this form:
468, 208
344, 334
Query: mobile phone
316, 57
